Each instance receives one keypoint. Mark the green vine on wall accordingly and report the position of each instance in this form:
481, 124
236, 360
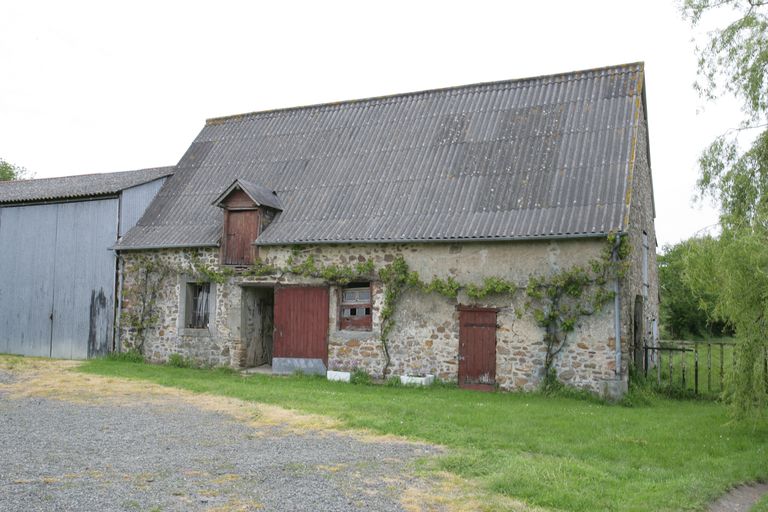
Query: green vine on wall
141, 315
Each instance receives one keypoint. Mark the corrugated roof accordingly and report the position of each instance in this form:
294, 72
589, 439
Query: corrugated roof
539, 157
71, 187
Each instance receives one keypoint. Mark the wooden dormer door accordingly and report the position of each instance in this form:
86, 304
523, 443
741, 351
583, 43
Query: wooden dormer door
241, 230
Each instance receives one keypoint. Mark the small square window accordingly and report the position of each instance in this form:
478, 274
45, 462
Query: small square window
355, 307
197, 311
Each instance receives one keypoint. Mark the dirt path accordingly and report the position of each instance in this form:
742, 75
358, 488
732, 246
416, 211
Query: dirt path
72, 441
739, 499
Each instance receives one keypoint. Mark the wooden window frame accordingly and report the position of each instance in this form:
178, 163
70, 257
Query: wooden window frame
356, 322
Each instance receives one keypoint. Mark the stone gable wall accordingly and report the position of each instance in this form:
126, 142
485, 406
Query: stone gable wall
641, 218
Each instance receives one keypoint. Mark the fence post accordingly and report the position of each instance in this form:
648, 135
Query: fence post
696, 368
645, 361
671, 367
658, 367
722, 364
709, 367
682, 366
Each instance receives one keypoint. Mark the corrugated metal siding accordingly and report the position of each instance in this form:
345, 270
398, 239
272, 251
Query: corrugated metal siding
27, 236
539, 157
134, 201
57, 278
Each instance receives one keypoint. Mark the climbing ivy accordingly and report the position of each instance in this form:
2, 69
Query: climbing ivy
141, 314
557, 301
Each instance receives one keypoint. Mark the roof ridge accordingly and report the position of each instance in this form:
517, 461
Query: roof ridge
91, 174
618, 68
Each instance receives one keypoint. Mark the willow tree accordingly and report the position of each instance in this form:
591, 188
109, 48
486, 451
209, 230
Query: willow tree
733, 60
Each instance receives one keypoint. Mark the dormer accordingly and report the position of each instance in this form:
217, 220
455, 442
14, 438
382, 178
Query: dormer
248, 209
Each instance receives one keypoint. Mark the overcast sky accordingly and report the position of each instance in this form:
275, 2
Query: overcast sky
106, 86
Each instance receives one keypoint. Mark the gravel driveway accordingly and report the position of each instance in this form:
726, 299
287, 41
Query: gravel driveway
136, 450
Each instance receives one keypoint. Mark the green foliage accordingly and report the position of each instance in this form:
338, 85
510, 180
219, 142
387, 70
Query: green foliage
492, 286
205, 273
260, 268
141, 314
687, 312
129, 356
360, 376
551, 452
393, 382
179, 361
559, 300
9, 172
734, 61
447, 288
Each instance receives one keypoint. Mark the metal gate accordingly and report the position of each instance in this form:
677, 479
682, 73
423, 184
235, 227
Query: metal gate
57, 278
477, 348
301, 330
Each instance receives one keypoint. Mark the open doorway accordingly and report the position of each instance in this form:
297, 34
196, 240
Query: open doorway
257, 329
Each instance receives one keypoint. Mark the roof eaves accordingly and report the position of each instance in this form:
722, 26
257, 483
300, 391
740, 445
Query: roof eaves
521, 238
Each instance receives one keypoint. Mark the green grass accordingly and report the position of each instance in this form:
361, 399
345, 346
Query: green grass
555, 452
761, 505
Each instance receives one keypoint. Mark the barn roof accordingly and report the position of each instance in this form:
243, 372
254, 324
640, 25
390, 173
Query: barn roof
72, 187
530, 158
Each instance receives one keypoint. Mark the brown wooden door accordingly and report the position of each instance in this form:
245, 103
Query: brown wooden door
477, 348
301, 323
242, 230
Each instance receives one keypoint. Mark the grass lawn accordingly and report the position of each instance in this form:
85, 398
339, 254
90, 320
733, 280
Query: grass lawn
559, 453
761, 505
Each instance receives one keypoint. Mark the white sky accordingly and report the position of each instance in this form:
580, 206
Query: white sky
107, 86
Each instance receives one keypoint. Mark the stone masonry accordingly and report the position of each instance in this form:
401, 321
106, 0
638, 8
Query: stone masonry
425, 339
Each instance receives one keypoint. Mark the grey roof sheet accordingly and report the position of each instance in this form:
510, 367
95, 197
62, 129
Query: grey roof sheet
539, 157
70, 187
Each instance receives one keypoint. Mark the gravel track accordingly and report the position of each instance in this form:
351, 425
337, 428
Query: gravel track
166, 455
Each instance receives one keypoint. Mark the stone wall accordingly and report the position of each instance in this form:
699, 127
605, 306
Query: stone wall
213, 346
641, 218
425, 339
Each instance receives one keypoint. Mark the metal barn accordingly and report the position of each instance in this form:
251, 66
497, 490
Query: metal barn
57, 268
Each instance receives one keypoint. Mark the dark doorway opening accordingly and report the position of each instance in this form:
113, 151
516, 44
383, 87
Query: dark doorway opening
258, 322
637, 333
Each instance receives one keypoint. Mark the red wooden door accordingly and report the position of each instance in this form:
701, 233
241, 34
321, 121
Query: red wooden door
242, 230
301, 323
477, 348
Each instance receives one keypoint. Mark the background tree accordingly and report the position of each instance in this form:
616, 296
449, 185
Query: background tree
734, 171
687, 312
9, 172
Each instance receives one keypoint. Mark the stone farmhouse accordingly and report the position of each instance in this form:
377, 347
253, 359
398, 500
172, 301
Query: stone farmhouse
267, 245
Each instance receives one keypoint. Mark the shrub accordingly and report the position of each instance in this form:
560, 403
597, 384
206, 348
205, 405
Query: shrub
179, 361
393, 382
129, 356
360, 377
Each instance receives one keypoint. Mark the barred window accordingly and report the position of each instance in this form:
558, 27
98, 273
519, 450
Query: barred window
355, 307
